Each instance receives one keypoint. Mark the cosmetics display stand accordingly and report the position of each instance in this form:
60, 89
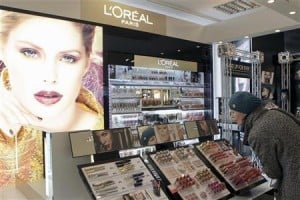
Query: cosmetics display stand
236, 170
188, 176
121, 179
142, 96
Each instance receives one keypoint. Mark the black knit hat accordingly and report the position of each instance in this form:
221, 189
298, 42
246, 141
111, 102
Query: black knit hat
244, 102
147, 134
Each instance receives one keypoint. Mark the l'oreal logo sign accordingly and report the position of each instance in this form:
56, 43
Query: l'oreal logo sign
126, 16
167, 63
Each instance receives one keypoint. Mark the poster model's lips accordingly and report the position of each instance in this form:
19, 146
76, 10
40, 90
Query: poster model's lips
48, 97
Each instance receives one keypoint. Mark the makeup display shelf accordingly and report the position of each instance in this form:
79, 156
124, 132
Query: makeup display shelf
187, 176
121, 179
238, 172
146, 96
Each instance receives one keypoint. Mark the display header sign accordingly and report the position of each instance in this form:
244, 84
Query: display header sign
111, 13
164, 63
240, 69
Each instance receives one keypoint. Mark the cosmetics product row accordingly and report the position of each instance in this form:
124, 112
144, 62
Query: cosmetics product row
145, 97
127, 179
133, 73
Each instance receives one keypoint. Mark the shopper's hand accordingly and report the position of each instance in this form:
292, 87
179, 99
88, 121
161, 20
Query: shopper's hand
12, 113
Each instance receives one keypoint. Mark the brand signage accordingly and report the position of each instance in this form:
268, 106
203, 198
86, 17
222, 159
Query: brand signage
164, 63
240, 69
111, 13
126, 16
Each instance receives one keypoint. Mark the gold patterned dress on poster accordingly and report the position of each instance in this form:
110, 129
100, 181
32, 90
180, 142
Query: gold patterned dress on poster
21, 157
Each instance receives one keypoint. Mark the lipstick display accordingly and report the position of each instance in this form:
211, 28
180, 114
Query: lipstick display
187, 175
238, 171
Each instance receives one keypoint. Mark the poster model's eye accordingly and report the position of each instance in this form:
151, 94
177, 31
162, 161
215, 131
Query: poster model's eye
31, 53
69, 58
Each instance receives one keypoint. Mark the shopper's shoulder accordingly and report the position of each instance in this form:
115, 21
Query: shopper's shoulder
267, 120
275, 113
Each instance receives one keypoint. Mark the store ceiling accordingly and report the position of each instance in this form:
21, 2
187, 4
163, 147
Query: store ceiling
263, 18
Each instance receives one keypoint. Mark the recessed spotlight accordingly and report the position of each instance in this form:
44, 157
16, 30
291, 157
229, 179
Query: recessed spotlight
271, 1
178, 50
162, 53
276, 31
292, 12
220, 42
247, 36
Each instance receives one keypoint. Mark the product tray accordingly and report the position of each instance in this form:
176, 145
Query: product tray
122, 183
190, 165
233, 155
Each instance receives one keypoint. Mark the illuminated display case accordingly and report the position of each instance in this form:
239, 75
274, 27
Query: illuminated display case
141, 96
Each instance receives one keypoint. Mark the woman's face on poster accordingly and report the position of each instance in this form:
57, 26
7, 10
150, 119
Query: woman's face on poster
265, 92
46, 60
267, 77
204, 126
163, 133
105, 138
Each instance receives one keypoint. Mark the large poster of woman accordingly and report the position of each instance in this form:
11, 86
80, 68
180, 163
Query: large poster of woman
51, 80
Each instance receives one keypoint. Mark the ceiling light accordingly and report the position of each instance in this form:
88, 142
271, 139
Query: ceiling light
271, 1
292, 12
276, 31
246, 37
162, 53
236, 6
178, 50
198, 46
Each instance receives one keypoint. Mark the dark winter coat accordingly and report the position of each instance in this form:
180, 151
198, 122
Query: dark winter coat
275, 138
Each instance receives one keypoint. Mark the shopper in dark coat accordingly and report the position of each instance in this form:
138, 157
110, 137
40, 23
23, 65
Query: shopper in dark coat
274, 136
